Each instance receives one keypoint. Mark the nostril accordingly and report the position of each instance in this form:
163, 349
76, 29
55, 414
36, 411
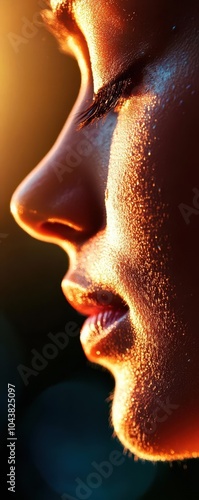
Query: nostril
63, 231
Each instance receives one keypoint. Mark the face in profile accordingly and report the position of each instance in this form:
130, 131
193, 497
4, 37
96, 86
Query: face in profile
119, 192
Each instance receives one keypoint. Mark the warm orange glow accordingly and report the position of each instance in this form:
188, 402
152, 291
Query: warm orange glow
17, 212
55, 4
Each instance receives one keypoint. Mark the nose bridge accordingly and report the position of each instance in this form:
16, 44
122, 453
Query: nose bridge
74, 153
60, 198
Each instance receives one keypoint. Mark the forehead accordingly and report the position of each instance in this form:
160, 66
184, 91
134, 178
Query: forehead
99, 22
55, 4
123, 5
128, 7
119, 31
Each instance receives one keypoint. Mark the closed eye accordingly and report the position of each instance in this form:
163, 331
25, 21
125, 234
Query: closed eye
110, 95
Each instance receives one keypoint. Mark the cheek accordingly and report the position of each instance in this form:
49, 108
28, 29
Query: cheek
148, 177
130, 177
136, 218
153, 182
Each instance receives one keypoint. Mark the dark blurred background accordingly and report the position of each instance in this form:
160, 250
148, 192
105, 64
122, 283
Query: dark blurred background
62, 411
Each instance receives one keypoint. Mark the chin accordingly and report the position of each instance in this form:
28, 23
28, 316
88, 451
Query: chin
151, 428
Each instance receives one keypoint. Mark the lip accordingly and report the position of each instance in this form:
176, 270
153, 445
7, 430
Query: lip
103, 333
100, 335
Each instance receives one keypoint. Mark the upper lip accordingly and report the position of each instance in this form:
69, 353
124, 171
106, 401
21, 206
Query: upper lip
91, 300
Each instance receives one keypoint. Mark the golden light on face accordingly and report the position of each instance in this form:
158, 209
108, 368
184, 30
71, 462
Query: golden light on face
56, 4
117, 214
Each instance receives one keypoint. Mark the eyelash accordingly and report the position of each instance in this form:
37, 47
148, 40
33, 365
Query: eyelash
107, 98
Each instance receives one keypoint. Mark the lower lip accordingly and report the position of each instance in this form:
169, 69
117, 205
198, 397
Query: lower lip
100, 332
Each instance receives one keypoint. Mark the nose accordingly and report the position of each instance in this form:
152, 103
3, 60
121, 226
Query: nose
63, 198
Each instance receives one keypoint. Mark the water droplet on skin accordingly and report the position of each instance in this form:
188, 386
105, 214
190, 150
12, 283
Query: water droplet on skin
149, 153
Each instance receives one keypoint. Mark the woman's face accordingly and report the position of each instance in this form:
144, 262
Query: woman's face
121, 196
